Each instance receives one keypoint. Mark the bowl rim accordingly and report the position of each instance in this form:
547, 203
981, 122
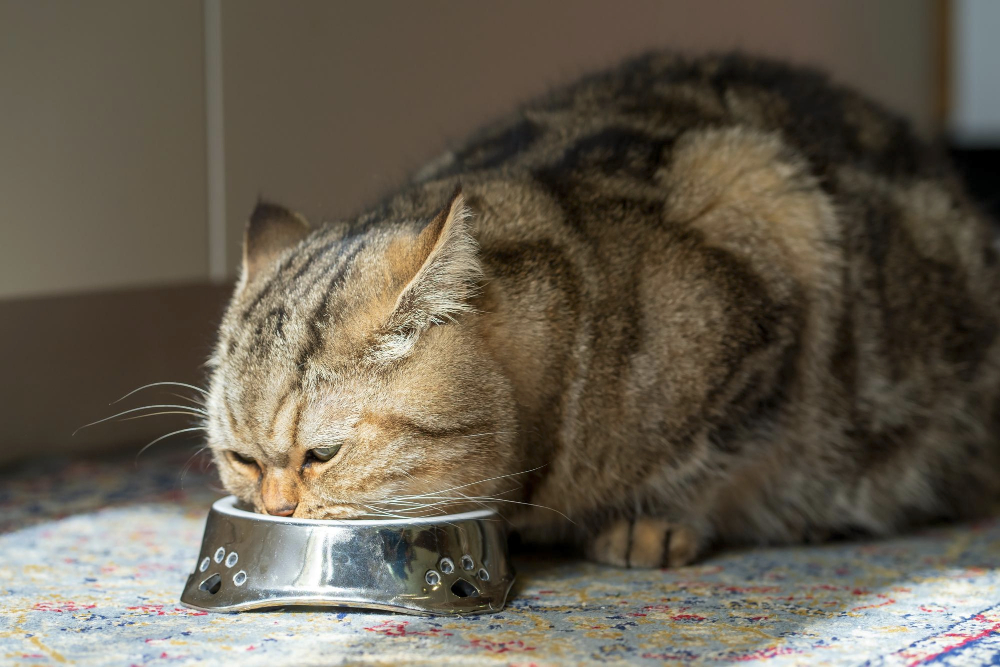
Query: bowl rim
228, 507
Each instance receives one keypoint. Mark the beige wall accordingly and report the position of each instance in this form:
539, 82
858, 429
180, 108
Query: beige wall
102, 145
328, 104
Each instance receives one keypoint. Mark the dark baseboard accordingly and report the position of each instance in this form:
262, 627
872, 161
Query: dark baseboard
980, 167
64, 359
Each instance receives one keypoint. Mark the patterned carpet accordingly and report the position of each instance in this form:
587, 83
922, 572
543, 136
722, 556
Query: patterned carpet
94, 554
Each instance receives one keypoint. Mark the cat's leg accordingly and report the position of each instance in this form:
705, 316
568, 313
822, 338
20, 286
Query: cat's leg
644, 542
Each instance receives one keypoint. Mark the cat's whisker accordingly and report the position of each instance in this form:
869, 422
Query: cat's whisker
194, 411
160, 384
443, 500
416, 505
431, 510
425, 506
187, 464
198, 403
166, 412
419, 515
481, 481
415, 510
405, 503
383, 513
486, 500
164, 437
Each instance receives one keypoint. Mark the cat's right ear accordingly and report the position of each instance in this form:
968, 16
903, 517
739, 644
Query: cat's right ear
271, 230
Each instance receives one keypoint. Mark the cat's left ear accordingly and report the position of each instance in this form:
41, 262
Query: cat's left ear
446, 280
271, 230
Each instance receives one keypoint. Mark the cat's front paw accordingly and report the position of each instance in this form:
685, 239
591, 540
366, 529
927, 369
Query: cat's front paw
644, 542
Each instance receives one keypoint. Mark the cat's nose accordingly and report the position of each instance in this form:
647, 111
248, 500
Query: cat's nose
280, 492
284, 510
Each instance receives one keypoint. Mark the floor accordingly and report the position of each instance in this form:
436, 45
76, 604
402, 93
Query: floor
93, 556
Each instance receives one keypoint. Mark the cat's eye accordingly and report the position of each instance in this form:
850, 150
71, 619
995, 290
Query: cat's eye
324, 453
245, 460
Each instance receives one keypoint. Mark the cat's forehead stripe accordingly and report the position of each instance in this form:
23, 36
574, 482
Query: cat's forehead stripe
321, 251
313, 341
287, 311
282, 285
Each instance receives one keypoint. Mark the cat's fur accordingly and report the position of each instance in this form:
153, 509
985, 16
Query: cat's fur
700, 300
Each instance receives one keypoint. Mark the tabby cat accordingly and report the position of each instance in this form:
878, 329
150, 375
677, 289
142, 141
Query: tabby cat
680, 303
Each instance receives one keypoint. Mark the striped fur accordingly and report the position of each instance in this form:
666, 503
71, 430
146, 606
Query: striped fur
710, 300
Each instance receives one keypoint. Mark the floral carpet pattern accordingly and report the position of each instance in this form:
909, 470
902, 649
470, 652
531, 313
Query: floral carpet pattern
93, 556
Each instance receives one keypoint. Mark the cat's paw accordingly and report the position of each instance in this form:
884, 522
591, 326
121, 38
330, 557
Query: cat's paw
644, 542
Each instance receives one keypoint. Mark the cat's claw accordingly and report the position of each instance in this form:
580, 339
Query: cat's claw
644, 542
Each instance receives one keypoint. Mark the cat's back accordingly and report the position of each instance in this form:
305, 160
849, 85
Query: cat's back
640, 153
625, 120
769, 180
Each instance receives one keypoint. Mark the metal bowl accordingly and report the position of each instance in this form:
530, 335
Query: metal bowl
446, 565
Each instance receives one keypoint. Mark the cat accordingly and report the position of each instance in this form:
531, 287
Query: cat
682, 303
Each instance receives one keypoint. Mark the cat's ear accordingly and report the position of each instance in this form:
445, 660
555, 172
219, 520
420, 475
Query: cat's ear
271, 230
447, 277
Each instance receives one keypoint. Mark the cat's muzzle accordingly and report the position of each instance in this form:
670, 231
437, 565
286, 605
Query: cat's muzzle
446, 565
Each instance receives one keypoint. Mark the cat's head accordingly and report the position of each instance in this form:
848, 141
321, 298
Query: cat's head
350, 376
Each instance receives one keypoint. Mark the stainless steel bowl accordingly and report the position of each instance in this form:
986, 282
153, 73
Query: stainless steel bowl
454, 564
